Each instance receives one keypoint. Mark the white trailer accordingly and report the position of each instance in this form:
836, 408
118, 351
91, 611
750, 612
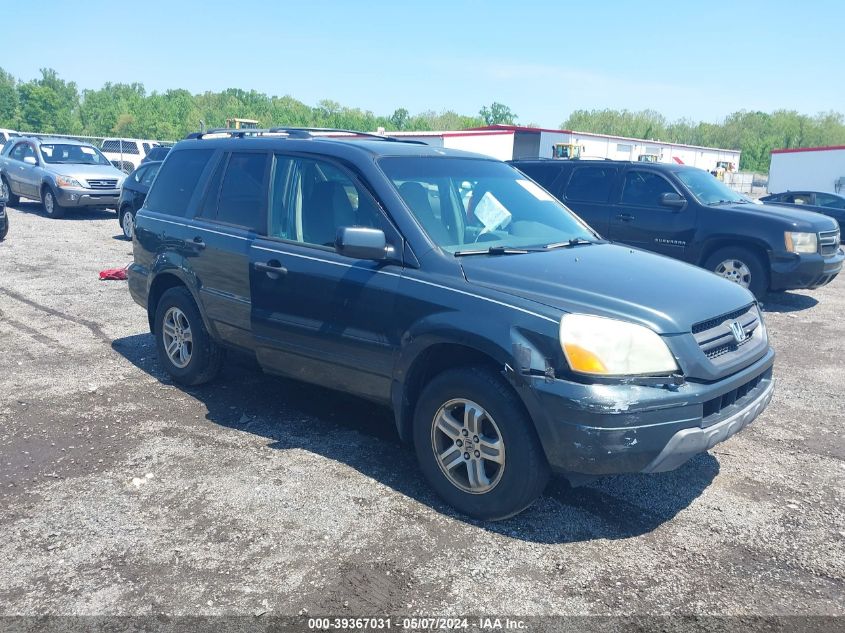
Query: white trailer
507, 142
808, 169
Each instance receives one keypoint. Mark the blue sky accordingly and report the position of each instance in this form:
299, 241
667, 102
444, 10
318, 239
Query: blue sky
699, 60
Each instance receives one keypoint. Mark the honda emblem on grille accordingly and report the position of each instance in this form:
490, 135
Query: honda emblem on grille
738, 332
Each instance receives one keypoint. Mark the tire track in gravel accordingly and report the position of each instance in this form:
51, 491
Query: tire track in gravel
94, 327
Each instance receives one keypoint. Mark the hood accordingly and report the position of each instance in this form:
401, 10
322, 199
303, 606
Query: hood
86, 172
796, 218
613, 281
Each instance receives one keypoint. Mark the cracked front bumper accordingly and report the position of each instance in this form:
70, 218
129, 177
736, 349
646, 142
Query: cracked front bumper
609, 429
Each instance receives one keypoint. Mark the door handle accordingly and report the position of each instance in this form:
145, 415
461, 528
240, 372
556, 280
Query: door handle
198, 243
273, 268
625, 217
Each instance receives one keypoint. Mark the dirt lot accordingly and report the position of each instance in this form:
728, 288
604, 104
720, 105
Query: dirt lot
123, 494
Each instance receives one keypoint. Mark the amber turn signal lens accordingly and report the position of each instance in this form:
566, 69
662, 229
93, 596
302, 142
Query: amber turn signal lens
584, 361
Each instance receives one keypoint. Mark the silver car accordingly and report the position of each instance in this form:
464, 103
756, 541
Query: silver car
61, 173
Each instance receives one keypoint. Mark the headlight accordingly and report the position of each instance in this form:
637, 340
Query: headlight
607, 347
801, 242
64, 181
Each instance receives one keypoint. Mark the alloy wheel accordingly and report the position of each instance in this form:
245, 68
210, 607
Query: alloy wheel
468, 446
177, 337
736, 271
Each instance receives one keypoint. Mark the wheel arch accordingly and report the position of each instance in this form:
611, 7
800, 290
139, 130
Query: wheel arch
430, 359
758, 247
161, 283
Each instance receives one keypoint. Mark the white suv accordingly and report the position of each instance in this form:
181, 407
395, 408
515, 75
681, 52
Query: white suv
127, 153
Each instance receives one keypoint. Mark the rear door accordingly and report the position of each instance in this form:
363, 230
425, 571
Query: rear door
231, 214
317, 315
639, 218
588, 192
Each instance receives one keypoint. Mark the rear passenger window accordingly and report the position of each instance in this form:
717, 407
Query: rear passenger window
644, 188
241, 200
591, 184
177, 181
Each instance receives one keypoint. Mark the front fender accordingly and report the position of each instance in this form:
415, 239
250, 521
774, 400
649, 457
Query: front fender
516, 350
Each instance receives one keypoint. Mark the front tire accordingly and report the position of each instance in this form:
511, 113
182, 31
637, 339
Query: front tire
741, 266
184, 346
476, 445
51, 204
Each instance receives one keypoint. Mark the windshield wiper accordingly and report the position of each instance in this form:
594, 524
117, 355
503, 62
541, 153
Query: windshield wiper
575, 241
494, 250
717, 202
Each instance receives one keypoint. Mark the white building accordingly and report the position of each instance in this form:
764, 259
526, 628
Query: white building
808, 169
507, 142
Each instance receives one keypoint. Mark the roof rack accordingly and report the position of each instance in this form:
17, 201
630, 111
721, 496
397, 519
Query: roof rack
300, 133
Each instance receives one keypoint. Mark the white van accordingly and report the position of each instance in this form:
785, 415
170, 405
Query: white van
127, 153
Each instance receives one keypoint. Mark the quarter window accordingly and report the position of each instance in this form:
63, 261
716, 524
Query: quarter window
644, 188
591, 184
177, 181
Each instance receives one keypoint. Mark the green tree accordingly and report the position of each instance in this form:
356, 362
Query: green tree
497, 113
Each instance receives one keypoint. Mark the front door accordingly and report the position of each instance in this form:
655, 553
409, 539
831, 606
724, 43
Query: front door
316, 315
641, 220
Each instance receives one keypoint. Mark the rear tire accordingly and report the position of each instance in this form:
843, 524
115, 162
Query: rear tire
13, 200
476, 445
741, 266
184, 346
5, 230
126, 219
51, 204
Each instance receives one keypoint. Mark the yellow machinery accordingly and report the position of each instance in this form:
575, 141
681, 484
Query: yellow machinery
241, 124
568, 151
722, 166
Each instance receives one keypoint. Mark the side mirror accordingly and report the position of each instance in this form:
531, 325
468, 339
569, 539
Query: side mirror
30, 160
361, 243
673, 200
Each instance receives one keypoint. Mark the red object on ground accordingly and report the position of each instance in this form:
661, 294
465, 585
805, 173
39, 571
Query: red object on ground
113, 273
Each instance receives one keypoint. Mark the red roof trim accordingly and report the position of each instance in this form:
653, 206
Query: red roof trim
519, 128
808, 149
478, 133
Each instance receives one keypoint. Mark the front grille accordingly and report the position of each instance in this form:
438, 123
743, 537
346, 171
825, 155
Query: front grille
716, 339
105, 183
715, 352
708, 325
715, 406
828, 242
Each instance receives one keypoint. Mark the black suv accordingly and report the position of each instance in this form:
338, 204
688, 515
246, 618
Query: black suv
507, 337
686, 213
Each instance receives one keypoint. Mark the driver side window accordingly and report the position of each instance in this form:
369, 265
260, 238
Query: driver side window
312, 199
644, 188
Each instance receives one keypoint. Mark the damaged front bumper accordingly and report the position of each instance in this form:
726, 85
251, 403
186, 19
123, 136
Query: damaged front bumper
624, 428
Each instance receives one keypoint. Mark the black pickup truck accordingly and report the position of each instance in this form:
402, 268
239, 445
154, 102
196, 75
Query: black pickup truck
686, 213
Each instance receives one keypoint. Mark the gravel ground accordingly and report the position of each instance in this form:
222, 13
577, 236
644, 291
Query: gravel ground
123, 494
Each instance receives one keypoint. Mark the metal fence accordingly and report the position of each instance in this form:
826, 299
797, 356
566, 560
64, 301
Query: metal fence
124, 153
747, 182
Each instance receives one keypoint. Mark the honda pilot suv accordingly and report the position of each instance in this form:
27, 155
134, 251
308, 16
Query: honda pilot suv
508, 338
686, 213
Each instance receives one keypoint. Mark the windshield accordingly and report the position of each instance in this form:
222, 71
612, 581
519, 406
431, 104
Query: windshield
467, 204
707, 189
61, 153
